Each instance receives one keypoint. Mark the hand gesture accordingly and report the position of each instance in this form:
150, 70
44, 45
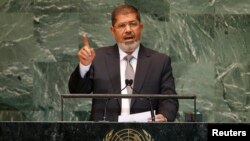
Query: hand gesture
86, 54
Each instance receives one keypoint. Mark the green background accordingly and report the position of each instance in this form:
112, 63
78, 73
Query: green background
208, 41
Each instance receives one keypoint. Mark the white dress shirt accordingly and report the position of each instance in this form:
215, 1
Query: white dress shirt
123, 64
125, 110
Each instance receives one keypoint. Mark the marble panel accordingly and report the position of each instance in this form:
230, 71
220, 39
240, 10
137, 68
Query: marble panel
95, 22
232, 63
192, 6
57, 33
191, 38
155, 33
18, 51
16, 5
55, 6
196, 79
232, 7
149, 7
232, 38
51, 80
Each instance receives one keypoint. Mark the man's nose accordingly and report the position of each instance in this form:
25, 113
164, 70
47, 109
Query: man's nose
128, 28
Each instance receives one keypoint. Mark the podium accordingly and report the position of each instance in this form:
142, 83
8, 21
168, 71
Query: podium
113, 131
101, 131
116, 96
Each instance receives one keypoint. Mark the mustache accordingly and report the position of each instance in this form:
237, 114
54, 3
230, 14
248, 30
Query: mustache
128, 34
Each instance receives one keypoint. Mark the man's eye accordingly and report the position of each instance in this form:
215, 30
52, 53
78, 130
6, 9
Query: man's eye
133, 24
121, 25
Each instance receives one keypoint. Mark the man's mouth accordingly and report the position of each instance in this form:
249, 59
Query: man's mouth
128, 38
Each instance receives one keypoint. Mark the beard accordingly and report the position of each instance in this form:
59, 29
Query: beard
129, 48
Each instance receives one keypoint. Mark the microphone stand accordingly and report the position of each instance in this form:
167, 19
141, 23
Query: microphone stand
107, 101
105, 109
151, 110
129, 83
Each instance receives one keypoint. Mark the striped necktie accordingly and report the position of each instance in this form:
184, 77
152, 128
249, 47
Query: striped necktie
129, 72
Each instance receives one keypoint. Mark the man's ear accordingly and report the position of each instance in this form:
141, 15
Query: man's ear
141, 25
112, 31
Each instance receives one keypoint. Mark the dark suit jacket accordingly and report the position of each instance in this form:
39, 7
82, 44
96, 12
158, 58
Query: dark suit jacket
153, 76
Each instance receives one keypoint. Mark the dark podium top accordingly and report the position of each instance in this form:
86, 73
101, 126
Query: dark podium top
101, 131
113, 131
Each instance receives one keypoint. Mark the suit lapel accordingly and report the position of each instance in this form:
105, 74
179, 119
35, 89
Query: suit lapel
113, 66
143, 64
112, 60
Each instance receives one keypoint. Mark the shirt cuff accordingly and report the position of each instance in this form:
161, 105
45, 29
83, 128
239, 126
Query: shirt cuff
84, 69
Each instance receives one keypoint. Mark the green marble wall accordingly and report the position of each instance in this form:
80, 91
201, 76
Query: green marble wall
208, 41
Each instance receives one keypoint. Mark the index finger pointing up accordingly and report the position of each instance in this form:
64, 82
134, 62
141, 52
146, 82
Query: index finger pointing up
85, 41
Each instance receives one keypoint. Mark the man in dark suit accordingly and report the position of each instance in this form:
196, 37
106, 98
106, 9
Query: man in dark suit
102, 71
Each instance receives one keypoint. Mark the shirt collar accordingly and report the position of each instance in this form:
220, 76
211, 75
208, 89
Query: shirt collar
134, 54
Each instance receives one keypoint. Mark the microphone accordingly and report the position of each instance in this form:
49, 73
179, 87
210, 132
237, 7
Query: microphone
129, 83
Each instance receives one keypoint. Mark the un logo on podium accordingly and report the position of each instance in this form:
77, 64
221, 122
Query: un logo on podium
128, 135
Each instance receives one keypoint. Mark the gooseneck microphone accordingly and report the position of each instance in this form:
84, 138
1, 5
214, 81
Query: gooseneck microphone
129, 83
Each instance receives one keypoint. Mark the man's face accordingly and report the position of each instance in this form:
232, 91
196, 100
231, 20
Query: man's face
127, 29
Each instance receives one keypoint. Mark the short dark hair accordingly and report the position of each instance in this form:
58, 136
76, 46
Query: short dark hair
124, 9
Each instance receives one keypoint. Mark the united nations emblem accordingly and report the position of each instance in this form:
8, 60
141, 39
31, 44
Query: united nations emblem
128, 135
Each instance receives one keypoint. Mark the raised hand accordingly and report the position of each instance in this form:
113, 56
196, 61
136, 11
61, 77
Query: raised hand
86, 54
